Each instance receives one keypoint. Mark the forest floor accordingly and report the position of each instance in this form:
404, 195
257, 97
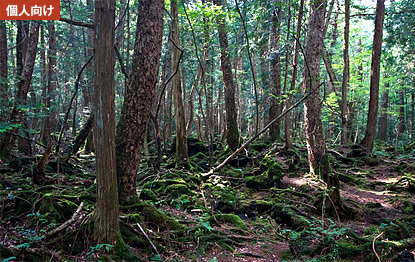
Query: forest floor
262, 206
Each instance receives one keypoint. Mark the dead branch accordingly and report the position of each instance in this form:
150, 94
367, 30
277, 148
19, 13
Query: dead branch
67, 223
69, 21
373, 245
151, 243
25, 138
219, 167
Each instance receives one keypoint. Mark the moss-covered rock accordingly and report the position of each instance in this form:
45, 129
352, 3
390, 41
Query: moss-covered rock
176, 190
371, 160
158, 218
256, 182
148, 194
224, 198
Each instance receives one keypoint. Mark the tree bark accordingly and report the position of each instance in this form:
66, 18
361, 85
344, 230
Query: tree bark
275, 107
287, 118
90, 146
232, 135
107, 229
22, 90
4, 86
50, 120
135, 113
402, 125
346, 74
369, 138
316, 147
383, 119
181, 140
411, 134
312, 110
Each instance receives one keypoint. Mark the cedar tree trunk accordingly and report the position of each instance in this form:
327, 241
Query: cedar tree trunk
135, 113
374, 77
181, 140
232, 132
107, 228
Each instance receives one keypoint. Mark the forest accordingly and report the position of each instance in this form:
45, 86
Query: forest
209, 130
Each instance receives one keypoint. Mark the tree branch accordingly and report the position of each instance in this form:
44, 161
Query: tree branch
71, 22
217, 168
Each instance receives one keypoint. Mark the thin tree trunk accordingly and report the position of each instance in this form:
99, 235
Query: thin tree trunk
346, 74
402, 121
411, 134
287, 118
383, 118
135, 113
369, 138
22, 90
181, 140
253, 71
90, 145
275, 108
232, 135
50, 121
4, 86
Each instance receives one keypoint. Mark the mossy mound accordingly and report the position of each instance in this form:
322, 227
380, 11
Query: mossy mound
176, 190
256, 182
222, 198
148, 194
371, 160
158, 219
268, 175
232, 219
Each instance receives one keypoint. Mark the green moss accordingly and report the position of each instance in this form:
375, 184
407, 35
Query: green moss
256, 182
225, 198
371, 160
176, 190
160, 185
159, 219
147, 194
229, 218
133, 218
260, 206
132, 238
198, 157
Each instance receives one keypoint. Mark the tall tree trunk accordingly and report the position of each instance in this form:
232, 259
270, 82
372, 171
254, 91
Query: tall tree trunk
4, 86
346, 74
191, 105
252, 65
275, 108
383, 119
22, 90
107, 228
232, 132
316, 147
181, 140
90, 145
374, 77
312, 109
50, 120
402, 125
132, 125
411, 134
287, 117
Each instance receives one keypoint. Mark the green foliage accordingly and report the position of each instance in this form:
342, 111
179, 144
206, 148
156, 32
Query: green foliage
5, 127
97, 250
